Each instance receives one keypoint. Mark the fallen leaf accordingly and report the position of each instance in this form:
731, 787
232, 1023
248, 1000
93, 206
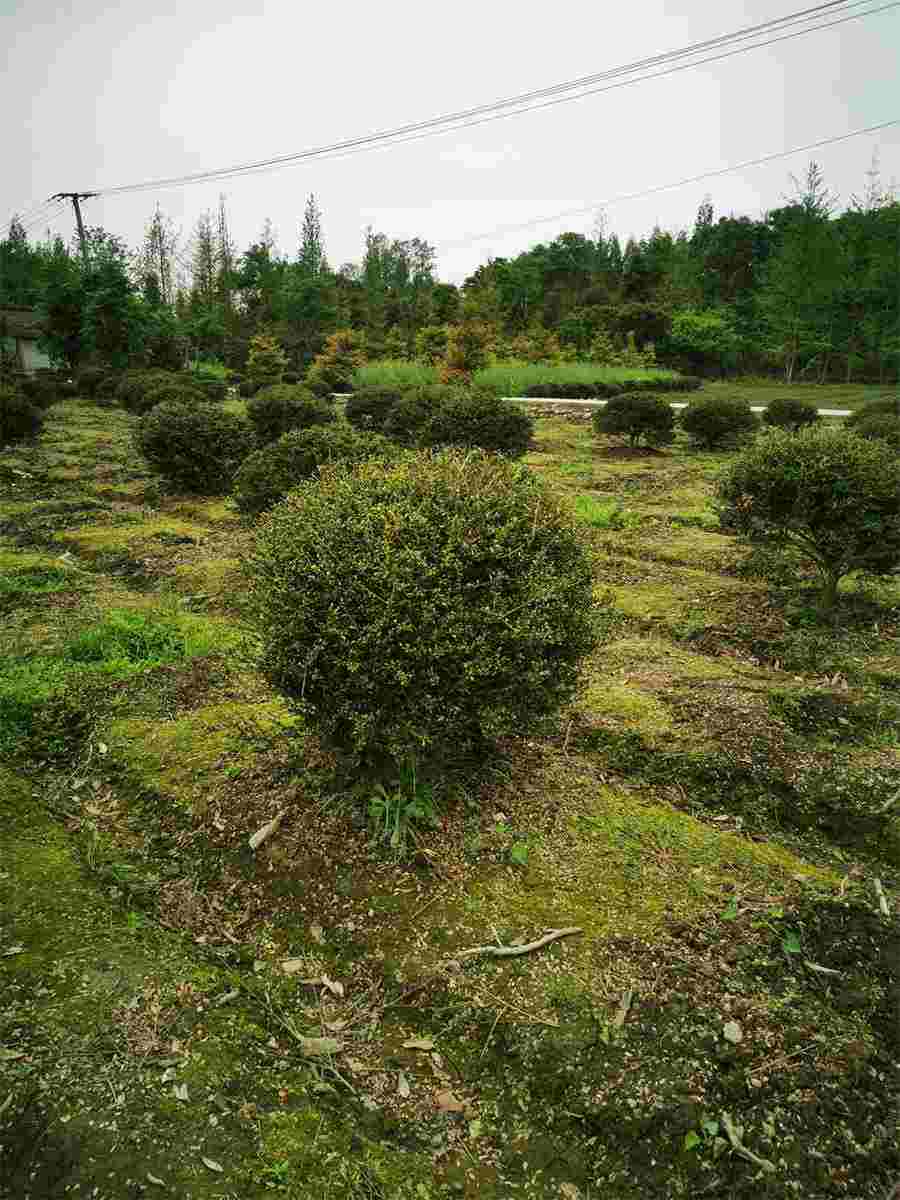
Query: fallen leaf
317, 933
402, 1085
732, 1032
212, 1164
169, 1074
12, 950
103, 748
418, 1044
335, 1026
180, 1091
153, 1179
447, 1102
311, 1046
336, 989
9, 1055
356, 1066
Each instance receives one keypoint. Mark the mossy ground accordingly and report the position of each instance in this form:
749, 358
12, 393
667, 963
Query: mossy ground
712, 812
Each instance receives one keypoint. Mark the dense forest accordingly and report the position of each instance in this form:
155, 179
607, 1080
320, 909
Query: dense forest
804, 292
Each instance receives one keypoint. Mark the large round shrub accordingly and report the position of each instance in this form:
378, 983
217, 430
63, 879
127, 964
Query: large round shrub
829, 493
716, 422
177, 389
475, 418
422, 604
788, 412
197, 447
283, 406
19, 417
884, 405
106, 392
638, 417
213, 388
248, 388
41, 390
89, 380
134, 388
368, 408
408, 415
883, 427
267, 475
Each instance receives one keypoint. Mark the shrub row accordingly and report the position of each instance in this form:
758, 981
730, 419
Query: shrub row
602, 389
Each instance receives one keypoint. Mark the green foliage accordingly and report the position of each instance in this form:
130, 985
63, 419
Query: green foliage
368, 407
89, 380
174, 389
133, 387
786, 412
884, 406
281, 406
41, 390
210, 379
125, 638
395, 816
715, 422
702, 339
477, 418
829, 493
577, 380
431, 344
638, 417
393, 374
268, 474
409, 414
414, 606
19, 418
334, 369
883, 427
196, 447
266, 362
247, 388
467, 350
611, 515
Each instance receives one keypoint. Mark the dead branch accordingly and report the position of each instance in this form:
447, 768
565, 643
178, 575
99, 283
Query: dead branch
882, 899
739, 1148
625, 1005
266, 831
514, 951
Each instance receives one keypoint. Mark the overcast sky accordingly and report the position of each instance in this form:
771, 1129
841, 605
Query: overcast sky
99, 95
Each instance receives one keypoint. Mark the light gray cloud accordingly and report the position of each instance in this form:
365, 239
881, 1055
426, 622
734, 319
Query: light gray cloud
112, 95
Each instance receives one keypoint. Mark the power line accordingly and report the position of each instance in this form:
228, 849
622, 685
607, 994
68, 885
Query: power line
663, 187
546, 96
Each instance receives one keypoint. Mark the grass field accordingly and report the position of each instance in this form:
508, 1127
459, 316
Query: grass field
712, 812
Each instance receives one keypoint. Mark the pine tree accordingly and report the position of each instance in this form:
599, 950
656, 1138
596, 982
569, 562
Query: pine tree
311, 257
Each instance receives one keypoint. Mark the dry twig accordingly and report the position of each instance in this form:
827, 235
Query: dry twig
514, 951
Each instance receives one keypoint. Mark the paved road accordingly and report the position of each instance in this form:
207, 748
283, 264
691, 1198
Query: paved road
823, 412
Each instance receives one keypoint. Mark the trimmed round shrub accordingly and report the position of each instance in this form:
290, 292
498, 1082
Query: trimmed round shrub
134, 388
283, 406
368, 408
408, 415
884, 427
248, 388
787, 412
827, 492
567, 391
89, 380
19, 417
889, 405
106, 392
213, 389
475, 418
411, 607
178, 389
267, 475
41, 390
197, 447
715, 422
638, 417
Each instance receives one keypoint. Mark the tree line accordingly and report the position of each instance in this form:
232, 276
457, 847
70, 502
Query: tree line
804, 291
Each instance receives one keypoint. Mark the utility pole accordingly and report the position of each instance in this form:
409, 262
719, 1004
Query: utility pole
75, 197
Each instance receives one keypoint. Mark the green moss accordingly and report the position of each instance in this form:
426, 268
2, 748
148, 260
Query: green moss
99, 539
626, 867
180, 758
626, 706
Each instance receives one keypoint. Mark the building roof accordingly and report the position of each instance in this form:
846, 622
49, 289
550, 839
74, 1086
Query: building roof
20, 323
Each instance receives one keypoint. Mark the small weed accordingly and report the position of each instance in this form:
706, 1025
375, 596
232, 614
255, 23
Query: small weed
610, 515
393, 817
706, 1139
